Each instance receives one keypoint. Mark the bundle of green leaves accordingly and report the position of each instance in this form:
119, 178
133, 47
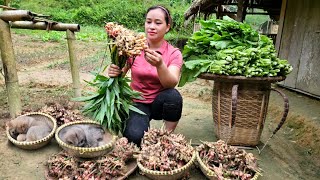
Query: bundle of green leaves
112, 99
228, 47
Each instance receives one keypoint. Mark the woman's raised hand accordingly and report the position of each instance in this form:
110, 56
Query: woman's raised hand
153, 57
114, 70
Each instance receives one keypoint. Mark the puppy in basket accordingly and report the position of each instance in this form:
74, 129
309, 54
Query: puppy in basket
74, 135
94, 135
82, 135
28, 128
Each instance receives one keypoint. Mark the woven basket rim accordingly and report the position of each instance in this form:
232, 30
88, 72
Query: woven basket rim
211, 76
31, 143
172, 172
83, 150
210, 173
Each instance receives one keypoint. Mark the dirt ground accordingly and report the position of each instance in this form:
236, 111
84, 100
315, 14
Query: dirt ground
44, 76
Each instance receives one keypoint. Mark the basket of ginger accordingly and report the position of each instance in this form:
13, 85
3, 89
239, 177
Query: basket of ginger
217, 160
165, 155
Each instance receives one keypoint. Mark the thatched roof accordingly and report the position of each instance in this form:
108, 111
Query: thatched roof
206, 7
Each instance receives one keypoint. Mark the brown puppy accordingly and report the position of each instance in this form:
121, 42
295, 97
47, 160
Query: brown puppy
22, 124
74, 135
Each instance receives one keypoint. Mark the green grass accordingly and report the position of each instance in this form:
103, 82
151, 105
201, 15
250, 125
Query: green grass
86, 33
91, 16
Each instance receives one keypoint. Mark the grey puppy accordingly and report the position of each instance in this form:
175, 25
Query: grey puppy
37, 132
74, 135
94, 135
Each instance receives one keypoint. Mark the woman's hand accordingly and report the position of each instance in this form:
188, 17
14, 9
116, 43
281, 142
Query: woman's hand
153, 57
114, 70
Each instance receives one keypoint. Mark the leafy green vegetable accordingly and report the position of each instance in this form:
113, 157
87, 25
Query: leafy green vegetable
111, 105
111, 102
228, 47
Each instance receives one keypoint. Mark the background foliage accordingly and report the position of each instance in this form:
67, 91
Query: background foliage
93, 14
96, 12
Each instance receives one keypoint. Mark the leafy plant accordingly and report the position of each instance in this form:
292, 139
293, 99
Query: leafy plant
111, 102
228, 47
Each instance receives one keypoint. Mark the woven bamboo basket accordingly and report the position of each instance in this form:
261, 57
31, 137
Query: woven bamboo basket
86, 152
239, 106
41, 142
131, 166
210, 174
168, 175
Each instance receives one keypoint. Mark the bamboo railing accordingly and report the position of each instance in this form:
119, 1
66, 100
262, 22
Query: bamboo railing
23, 19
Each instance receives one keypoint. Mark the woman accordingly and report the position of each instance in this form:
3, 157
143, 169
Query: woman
154, 73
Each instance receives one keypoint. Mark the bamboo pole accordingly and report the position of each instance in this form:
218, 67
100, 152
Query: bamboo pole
74, 63
10, 72
7, 7
16, 15
44, 26
6, 2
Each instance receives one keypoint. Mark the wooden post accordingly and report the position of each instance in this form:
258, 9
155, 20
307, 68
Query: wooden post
219, 12
281, 23
74, 63
10, 72
242, 10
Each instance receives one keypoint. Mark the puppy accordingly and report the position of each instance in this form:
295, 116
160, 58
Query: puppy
22, 124
37, 132
74, 135
21, 137
94, 135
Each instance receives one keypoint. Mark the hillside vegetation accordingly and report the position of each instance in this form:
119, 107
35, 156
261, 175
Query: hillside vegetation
91, 15
96, 12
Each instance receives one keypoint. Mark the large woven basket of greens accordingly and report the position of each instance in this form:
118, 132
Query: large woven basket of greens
243, 64
228, 47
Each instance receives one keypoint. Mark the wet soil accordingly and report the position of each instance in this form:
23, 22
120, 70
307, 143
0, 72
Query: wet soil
44, 76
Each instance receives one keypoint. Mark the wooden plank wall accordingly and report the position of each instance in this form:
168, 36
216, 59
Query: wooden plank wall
300, 44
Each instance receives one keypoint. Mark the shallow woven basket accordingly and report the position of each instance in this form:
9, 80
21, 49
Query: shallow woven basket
86, 152
168, 175
239, 106
131, 166
39, 143
210, 174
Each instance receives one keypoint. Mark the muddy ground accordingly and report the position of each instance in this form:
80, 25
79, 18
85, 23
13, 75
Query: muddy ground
44, 76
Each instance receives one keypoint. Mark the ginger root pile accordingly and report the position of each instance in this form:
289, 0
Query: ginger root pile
228, 162
109, 166
129, 42
164, 151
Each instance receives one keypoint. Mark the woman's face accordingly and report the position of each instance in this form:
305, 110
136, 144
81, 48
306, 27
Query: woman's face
155, 25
